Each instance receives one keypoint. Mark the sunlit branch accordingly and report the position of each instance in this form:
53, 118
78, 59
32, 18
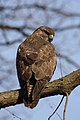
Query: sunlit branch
57, 87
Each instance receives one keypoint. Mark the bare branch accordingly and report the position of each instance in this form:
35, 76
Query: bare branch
8, 27
6, 43
70, 27
19, 29
56, 87
65, 107
42, 7
69, 60
56, 108
14, 115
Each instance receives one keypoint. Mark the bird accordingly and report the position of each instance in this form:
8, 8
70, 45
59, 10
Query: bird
35, 64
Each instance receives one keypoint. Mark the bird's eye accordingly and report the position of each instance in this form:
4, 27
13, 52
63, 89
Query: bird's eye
51, 37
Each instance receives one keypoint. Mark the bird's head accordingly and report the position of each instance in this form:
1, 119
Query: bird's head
47, 31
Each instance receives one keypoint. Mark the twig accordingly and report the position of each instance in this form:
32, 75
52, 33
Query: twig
60, 66
56, 112
19, 29
14, 114
56, 108
69, 60
59, 116
65, 107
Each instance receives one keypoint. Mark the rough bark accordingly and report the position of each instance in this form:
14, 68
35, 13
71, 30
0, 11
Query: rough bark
60, 86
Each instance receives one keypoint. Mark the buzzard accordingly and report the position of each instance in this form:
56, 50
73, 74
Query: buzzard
35, 63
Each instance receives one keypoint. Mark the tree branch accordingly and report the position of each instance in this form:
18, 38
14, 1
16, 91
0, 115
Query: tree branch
41, 7
60, 86
69, 60
19, 29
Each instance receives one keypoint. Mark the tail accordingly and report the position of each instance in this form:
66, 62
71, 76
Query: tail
35, 95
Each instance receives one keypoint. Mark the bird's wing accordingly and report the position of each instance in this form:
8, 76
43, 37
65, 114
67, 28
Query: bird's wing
26, 56
43, 68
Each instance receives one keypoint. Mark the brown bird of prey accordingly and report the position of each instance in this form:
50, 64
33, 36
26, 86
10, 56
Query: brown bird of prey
35, 62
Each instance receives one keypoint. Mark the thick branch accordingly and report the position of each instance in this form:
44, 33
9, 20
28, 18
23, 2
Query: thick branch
61, 86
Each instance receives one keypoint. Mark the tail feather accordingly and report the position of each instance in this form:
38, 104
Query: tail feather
33, 103
38, 88
36, 93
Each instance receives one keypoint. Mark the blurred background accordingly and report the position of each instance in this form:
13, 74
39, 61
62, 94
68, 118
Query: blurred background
18, 19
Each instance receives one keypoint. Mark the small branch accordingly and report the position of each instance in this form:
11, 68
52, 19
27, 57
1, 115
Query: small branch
19, 29
69, 83
11, 42
70, 27
14, 115
65, 107
41, 7
56, 108
69, 60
